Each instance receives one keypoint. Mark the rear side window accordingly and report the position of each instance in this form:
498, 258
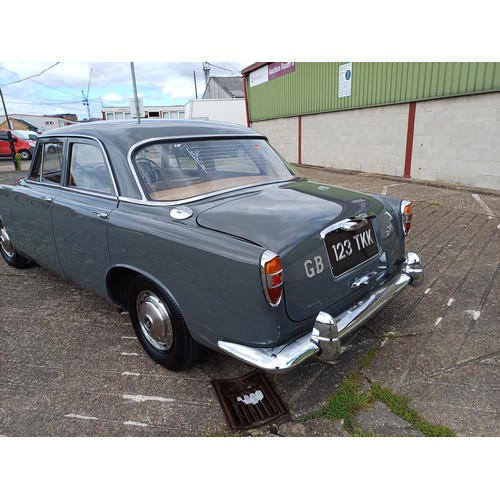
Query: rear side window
88, 169
48, 164
175, 171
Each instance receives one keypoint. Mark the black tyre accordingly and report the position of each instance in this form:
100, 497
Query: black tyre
159, 326
25, 155
9, 252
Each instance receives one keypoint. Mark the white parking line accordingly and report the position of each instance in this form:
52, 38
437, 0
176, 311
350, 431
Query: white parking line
475, 315
485, 207
384, 190
138, 398
138, 424
82, 417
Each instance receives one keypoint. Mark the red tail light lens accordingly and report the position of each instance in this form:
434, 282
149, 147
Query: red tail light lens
272, 277
407, 216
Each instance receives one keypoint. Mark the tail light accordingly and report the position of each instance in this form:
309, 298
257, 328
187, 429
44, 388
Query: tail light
271, 274
406, 215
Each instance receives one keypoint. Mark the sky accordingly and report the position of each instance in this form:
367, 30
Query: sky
50, 49
41, 88
49, 41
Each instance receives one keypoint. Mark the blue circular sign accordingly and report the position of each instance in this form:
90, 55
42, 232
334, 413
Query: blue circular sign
348, 74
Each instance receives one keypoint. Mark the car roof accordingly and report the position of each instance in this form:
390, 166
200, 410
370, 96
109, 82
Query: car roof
153, 128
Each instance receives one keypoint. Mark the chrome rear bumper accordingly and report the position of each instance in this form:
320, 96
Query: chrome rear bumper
325, 338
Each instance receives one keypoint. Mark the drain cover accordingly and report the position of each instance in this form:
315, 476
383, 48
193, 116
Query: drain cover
249, 401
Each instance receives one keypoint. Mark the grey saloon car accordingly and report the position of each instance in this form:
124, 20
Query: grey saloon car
208, 238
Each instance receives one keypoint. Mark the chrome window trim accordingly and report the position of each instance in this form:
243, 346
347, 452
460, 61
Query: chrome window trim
200, 197
173, 139
69, 137
106, 160
36, 182
97, 194
191, 138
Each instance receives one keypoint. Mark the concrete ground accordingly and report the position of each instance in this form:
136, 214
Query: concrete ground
70, 365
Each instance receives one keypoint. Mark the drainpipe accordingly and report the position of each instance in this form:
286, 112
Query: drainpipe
409, 139
299, 146
246, 100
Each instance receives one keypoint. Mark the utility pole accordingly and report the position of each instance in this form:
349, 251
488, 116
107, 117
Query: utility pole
206, 70
135, 93
86, 97
195, 87
9, 135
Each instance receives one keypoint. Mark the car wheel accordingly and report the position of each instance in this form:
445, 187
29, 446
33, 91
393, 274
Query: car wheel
159, 326
25, 155
9, 252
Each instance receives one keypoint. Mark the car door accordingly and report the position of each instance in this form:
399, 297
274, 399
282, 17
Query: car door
31, 204
5, 144
80, 215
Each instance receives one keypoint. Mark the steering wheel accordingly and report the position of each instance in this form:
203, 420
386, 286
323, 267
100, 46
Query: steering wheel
149, 170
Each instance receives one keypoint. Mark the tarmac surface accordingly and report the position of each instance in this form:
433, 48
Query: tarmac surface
70, 365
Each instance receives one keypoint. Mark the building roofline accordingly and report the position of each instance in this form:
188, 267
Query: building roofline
253, 67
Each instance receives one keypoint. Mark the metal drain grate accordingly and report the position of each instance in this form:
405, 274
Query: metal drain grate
249, 401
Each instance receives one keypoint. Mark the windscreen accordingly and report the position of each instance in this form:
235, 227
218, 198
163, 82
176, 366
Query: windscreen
183, 170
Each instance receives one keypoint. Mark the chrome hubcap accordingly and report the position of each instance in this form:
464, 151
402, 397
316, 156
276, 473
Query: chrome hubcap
154, 321
5, 243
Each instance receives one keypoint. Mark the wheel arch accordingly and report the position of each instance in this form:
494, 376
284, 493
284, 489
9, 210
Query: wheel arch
119, 280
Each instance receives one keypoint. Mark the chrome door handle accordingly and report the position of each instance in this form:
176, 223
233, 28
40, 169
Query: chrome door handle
101, 215
46, 198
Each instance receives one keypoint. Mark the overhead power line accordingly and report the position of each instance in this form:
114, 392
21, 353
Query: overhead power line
29, 77
222, 68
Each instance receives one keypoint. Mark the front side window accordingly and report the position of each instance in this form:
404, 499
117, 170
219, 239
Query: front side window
178, 171
48, 164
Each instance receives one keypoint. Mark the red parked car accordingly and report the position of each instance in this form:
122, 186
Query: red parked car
21, 145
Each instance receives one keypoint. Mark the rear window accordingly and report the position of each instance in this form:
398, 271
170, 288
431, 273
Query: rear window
178, 171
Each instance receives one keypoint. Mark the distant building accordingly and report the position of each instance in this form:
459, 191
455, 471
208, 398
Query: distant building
35, 123
16, 124
223, 87
126, 113
68, 116
223, 110
223, 100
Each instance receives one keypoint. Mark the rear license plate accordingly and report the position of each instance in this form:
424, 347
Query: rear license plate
348, 249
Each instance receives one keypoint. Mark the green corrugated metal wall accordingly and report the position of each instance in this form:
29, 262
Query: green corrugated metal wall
313, 86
